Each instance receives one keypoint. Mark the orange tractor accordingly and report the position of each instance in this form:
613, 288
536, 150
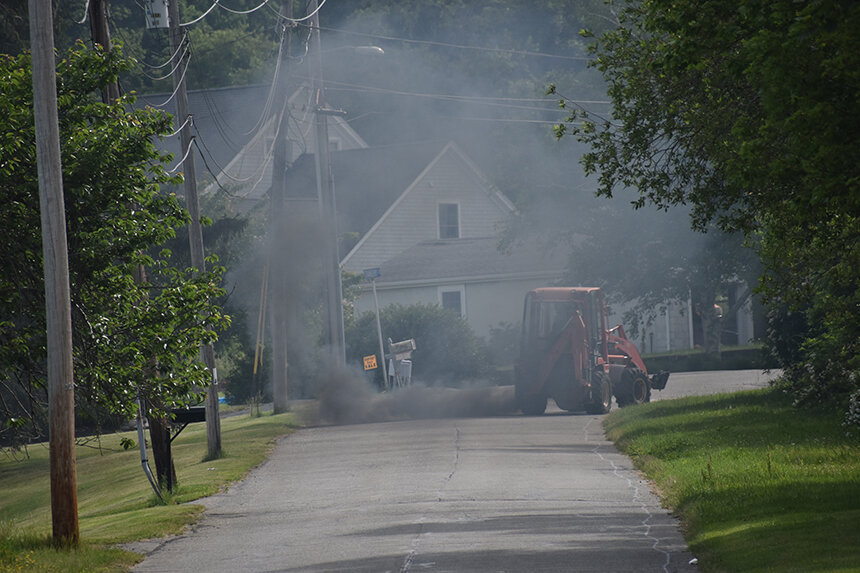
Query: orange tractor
569, 355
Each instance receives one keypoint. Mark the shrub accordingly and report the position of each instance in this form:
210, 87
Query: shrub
448, 350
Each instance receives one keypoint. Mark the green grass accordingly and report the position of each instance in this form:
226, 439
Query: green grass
758, 484
115, 501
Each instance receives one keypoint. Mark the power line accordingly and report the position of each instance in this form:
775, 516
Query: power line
251, 11
267, 108
218, 4
564, 101
181, 46
511, 120
168, 100
179, 129
181, 161
311, 15
86, 12
117, 31
197, 19
489, 119
259, 172
170, 73
458, 46
482, 100
208, 169
457, 97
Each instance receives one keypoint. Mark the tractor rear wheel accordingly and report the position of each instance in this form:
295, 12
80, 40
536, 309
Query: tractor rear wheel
601, 395
634, 388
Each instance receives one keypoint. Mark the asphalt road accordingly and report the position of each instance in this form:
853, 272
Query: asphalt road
495, 494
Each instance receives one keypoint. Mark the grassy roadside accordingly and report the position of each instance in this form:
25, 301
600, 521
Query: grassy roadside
758, 484
115, 502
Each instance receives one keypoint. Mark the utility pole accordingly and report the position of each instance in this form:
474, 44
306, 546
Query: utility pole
325, 193
195, 230
61, 390
159, 429
101, 35
277, 219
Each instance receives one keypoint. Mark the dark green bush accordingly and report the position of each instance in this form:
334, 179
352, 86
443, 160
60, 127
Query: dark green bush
448, 350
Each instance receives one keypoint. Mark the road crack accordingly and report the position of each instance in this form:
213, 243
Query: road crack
413, 551
637, 499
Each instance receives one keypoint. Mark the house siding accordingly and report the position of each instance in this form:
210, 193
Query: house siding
487, 303
415, 217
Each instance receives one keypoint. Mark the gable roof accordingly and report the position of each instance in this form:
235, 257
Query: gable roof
462, 260
497, 196
366, 181
235, 128
221, 116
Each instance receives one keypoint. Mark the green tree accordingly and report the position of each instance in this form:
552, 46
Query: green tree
747, 112
648, 258
130, 337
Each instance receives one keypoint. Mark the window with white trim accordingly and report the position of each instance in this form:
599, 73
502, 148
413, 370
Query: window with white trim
449, 221
453, 299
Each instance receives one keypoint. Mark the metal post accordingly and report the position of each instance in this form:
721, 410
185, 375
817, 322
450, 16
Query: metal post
58, 314
195, 230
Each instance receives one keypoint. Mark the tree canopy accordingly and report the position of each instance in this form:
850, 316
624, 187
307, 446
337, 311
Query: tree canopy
747, 111
130, 335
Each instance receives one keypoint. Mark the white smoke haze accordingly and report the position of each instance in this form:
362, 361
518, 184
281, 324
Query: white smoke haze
390, 100
347, 398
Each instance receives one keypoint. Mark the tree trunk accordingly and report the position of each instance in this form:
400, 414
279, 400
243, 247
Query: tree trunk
159, 435
712, 330
712, 327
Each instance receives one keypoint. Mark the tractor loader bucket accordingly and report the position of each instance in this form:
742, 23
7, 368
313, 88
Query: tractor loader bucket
658, 380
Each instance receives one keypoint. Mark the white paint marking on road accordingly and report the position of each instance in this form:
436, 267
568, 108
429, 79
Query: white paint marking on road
637, 498
411, 555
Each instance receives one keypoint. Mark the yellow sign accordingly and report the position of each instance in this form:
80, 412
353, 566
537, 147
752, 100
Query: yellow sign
370, 362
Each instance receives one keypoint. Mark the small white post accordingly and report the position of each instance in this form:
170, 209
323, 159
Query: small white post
379, 332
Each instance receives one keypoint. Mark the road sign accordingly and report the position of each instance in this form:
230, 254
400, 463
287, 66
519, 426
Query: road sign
370, 362
370, 274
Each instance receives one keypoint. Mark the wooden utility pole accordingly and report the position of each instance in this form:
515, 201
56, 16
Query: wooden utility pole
277, 219
325, 194
101, 35
195, 230
61, 390
159, 428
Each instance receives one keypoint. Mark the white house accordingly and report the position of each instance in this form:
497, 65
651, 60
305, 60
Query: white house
429, 220
470, 276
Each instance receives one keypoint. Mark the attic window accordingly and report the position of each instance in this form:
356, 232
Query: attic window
449, 221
